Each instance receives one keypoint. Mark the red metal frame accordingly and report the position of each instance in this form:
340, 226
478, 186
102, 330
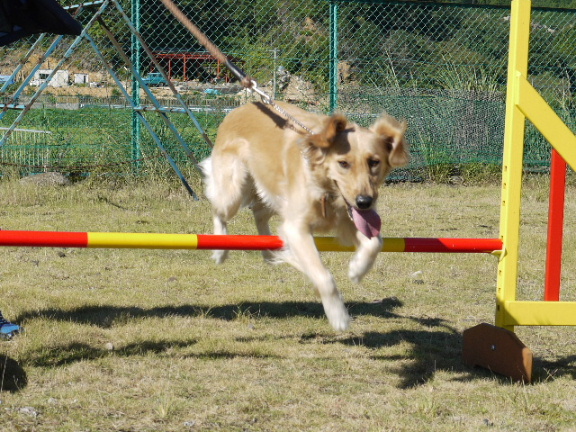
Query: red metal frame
186, 57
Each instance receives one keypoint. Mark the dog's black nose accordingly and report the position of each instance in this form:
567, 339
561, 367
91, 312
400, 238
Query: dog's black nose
364, 202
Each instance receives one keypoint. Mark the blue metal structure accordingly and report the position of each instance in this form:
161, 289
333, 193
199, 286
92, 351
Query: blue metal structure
132, 63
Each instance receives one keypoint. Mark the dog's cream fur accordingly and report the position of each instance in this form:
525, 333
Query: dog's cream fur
263, 160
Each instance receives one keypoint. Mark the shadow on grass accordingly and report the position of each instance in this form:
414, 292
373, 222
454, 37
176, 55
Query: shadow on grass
106, 316
64, 354
545, 370
428, 351
437, 346
434, 346
12, 377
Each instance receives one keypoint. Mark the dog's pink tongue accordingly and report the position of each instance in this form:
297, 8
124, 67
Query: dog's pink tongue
367, 221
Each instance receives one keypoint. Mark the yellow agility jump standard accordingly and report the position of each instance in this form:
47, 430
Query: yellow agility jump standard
497, 347
231, 242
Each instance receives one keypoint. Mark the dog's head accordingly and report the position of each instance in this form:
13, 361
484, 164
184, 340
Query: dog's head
354, 161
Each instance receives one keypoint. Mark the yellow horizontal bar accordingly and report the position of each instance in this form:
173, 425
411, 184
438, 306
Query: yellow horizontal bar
330, 244
142, 240
394, 245
540, 313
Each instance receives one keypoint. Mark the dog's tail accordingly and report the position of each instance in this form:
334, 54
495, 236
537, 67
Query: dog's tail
206, 166
207, 171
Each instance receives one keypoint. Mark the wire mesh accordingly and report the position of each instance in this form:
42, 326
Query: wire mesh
440, 66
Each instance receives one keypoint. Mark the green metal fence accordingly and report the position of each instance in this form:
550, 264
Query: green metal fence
440, 66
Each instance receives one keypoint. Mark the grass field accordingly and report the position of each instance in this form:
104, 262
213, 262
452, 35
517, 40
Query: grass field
151, 340
98, 140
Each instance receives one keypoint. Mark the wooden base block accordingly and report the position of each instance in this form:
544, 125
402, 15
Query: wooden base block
498, 350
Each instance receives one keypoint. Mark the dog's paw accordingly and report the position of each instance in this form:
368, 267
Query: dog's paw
340, 322
219, 256
270, 257
364, 259
358, 269
337, 314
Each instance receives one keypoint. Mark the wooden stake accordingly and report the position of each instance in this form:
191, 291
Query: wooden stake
498, 350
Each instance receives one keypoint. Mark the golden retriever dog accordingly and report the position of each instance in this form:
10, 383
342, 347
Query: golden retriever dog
322, 181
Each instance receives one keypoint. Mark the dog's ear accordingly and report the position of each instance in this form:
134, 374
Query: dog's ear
334, 125
391, 132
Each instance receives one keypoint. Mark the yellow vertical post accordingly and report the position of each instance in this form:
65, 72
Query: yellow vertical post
513, 160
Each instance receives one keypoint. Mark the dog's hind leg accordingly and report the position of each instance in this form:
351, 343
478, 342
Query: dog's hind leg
220, 228
262, 214
226, 188
303, 254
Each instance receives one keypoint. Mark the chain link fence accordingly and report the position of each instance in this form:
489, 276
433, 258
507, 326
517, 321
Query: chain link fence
440, 66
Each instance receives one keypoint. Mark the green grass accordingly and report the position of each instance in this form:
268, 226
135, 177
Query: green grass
99, 140
151, 340
93, 140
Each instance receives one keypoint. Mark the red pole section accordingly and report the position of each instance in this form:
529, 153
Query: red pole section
555, 227
453, 245
239, 242
44, 239
232, 242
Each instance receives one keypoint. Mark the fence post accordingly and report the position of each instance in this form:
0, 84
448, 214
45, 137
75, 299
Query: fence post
334, 15
136, 61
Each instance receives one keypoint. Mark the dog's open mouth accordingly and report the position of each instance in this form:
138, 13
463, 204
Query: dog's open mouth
368, 221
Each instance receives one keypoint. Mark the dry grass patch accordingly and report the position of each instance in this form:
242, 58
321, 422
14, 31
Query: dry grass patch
135, 340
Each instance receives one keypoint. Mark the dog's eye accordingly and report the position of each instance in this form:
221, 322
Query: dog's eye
373, 163
344, 164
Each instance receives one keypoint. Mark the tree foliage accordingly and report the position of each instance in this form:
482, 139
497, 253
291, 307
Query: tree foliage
384, 42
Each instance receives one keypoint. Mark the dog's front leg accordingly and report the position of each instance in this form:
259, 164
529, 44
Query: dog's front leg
304, 255
365, 256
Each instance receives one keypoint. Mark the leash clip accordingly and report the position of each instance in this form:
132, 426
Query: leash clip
266, 98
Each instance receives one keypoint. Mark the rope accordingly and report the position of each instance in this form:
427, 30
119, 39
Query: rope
245, 80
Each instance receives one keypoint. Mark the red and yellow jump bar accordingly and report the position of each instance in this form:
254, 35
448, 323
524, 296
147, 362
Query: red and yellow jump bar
230, 242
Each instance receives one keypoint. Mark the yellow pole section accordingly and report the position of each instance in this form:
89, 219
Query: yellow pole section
541, 313
330, 244
513, 160
394, 245
142, 240
537, 110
